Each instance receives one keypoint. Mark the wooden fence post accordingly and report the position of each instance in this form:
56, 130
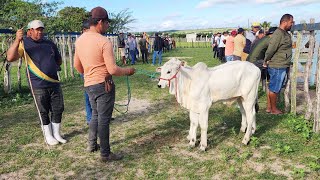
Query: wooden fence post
64, 57
307, 74
19, 74
294, 75
70, 56
7, 78
316, 124
287, 92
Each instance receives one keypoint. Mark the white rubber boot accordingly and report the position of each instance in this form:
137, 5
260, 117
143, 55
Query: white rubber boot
48, 135
56, 132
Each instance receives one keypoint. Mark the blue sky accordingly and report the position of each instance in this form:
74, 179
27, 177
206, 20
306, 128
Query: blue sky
159, 15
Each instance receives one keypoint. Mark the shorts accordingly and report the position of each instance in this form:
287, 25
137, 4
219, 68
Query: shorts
122, 51
277, 76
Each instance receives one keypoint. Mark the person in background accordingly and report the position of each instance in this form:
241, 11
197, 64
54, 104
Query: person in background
259, 35
216, 43
230, 46
43, 59
157, 49
121, 46
246, 50
95, 59
278, 57
257, 55
239, 44
255, 27
85, 28
132, 48
143, 48
222, 45
146, 36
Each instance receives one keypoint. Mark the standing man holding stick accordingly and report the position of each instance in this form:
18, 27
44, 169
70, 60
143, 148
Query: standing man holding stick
95, 59
43, 61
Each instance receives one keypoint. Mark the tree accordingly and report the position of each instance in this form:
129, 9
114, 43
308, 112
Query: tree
120, 21
71, 18
17, 13
266, 25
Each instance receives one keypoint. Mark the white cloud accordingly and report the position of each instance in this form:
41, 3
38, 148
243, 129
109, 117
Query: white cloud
284, 3
209, 3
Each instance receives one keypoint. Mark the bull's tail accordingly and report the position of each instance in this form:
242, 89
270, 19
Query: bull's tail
256, 106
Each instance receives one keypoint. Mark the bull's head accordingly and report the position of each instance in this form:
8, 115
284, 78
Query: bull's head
168, 72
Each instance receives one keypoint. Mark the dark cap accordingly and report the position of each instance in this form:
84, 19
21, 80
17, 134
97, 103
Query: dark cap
156, 34
240, 30
99, 13
271, 30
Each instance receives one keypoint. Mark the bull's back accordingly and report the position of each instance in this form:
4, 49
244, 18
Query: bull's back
233, 79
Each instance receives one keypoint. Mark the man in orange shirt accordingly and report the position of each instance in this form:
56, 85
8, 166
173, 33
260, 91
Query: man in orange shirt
94, 58
230, 46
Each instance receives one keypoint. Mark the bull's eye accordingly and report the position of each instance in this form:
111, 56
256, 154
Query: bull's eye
168, 72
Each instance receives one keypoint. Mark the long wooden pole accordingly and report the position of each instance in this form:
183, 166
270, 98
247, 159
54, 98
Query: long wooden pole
293, 78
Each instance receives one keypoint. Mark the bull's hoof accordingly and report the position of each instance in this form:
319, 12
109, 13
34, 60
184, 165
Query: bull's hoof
192, 143
243, 129
253, 131
202, 148
245, 141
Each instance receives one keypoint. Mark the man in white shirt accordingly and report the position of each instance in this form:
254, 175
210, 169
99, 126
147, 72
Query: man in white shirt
222, 45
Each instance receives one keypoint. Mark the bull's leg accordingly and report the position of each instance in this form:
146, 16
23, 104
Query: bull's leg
203, 121
194, 120
243, 114
251, 118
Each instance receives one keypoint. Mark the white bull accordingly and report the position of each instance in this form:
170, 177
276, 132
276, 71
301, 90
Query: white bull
197, 87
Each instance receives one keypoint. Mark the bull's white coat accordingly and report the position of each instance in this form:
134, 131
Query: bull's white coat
197, 87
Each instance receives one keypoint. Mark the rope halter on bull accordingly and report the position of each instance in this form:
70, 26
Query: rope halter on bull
176, 79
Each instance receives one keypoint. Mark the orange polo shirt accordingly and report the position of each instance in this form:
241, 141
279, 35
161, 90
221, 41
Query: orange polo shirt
94, 58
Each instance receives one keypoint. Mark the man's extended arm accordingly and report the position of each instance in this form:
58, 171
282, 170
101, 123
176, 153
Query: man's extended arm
13, 51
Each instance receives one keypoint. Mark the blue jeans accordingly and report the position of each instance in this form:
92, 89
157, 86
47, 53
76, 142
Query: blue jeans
87, 104
88, 107
50, 100
277, 76
133, 56
102, 104
229, 58
155, 55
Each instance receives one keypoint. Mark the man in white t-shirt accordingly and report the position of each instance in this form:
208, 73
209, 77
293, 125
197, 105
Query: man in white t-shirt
222, 45
216, 43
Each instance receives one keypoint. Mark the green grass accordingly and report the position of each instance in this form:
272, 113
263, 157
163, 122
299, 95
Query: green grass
154, 141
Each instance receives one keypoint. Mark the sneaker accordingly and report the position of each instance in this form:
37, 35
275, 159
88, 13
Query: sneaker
93, 149
111, 157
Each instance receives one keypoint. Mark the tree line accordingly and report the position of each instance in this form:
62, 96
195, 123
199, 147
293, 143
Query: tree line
15, 14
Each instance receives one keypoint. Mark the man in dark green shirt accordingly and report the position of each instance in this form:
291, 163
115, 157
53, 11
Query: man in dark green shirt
278, 57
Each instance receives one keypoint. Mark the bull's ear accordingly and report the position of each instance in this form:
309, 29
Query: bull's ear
158, 69
183, 63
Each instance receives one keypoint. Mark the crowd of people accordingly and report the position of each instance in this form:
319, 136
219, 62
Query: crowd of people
94, 59
131, 48
271, 51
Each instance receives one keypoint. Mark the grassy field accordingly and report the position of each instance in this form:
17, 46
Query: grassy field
152, 136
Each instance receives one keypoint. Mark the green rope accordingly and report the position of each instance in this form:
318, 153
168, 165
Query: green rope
129, 99
151, 74
138, 71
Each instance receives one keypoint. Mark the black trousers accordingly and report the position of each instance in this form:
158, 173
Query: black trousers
102, 104
221, 54
144, 55
49, 100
